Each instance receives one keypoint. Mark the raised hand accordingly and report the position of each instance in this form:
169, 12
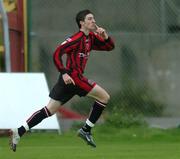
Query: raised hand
101, 32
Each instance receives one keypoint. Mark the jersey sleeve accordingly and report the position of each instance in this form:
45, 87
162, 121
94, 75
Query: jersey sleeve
101, 44
64, 48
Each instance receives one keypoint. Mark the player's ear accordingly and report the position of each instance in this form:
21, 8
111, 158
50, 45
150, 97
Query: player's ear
81, 23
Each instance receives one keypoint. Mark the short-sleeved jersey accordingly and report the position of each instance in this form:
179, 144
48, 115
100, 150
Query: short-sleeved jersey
77, 48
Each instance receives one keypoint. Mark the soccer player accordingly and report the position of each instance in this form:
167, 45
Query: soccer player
71, 80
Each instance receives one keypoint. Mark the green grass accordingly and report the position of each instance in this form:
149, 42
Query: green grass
134, 143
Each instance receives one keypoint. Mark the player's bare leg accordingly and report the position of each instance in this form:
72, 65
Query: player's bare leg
101, 99
99, 94
35, 119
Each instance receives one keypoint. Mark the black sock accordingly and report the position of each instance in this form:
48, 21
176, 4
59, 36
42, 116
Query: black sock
37, 117
21, 131
86, 128
96, 112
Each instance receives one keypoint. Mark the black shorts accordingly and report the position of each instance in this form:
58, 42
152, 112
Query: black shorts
64, 92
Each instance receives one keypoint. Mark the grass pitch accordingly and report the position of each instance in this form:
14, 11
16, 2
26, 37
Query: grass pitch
134, 143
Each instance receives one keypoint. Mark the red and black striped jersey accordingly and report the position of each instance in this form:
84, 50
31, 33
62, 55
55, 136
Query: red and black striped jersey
77, 49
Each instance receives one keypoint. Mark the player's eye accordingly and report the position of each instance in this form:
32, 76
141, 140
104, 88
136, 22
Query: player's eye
90, 18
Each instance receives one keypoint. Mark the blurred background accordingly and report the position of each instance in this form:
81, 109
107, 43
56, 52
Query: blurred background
141, 73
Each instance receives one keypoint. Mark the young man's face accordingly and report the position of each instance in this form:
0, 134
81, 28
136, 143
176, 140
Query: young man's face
89, 22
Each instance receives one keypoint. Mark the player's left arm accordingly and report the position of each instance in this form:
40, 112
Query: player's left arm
102, 41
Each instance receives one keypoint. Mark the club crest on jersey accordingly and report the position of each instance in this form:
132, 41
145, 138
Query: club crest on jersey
81, 54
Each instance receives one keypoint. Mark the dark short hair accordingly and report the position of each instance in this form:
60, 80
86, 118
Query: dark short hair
80, 16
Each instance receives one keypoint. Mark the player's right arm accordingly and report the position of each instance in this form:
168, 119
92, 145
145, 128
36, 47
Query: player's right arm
64, 48
57, 57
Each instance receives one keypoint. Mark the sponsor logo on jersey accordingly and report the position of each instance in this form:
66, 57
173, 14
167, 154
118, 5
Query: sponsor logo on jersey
87, 45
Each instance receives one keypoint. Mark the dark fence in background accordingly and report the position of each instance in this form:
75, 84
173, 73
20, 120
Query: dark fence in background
141, 74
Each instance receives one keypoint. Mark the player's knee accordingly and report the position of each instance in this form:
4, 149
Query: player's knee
53, 106
106, 98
